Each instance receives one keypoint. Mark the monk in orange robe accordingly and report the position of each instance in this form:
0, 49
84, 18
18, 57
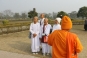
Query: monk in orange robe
65, 44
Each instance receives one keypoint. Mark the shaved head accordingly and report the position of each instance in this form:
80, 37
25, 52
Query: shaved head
42, 15
46, 21
35, 19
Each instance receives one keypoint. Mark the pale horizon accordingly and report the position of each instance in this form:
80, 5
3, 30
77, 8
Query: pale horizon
42, 6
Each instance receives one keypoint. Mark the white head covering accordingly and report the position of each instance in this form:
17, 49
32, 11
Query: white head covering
58, 19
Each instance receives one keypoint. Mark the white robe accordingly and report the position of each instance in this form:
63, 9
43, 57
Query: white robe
45, 46
56, 27
41, 21
35, 42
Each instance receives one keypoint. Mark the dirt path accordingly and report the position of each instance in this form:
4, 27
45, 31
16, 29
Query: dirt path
17, 43
20, 43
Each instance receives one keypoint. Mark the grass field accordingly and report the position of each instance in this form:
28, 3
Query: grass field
20, 43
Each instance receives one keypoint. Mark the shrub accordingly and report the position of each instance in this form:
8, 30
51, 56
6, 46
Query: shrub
5, 22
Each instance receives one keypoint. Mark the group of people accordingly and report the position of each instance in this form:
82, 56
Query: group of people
64, 43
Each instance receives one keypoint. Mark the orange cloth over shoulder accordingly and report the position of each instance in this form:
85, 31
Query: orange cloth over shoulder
64, 43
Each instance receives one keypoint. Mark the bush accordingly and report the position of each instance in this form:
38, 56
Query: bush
5, 22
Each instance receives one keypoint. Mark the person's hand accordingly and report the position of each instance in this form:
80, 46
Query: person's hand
34, 35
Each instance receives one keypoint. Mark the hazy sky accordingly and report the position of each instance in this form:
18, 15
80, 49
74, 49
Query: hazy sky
47, 6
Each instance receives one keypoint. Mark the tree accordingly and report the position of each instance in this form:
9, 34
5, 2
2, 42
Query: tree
1, 15
46, 15
8, 13
23, 15
61, 13
73, 14
54, 15
82, 12
16, 15
33, 13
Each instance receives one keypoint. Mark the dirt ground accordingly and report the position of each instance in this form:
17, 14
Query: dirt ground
20, 43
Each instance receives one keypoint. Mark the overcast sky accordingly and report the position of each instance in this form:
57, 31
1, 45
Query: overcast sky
47, 6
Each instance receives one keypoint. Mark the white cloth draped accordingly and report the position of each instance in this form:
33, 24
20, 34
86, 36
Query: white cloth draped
41, 21
56, 27
35, 42
45, 46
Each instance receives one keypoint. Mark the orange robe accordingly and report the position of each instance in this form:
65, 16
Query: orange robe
59, 40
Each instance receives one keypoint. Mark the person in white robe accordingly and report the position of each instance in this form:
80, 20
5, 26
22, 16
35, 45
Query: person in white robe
42, 17
41, 21
57, 25
35, 30
45, 31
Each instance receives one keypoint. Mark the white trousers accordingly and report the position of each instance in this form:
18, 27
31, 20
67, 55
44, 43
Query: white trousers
45, 48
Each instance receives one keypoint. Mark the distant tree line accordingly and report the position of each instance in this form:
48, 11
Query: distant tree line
82, 13
8, 14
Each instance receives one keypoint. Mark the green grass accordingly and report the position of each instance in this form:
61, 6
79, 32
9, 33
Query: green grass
15, 23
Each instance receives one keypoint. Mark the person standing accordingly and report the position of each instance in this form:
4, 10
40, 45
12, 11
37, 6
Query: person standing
85, 25
45, 31
35, 30
57, 25
41, 21
42, 17
65, 44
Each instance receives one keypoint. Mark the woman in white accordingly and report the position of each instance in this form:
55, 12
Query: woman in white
45, 31
35, 30
57, 25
